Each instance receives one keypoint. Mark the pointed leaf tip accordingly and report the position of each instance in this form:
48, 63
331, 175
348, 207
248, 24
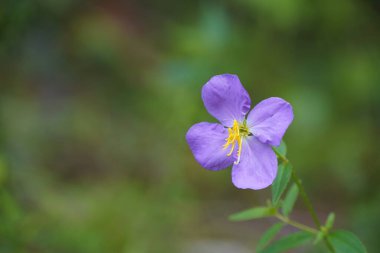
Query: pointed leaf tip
290, 200
282, 149
289, 242
346, 242
330, 220
268, 236
279, 185
253, 213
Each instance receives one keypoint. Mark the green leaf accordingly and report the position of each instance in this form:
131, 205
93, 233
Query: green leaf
346, 242
281, 149
268, 236
289, 242
319, 237
290, 199
279, 185
253, 213
330, 220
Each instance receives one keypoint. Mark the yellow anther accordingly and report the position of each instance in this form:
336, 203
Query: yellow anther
239, 150
234, 137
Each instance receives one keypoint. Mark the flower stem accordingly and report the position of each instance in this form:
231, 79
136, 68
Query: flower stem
296, 224
306, 200
302, 191
309, 206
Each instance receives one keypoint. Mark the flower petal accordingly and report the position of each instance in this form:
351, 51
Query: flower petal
258, 165
226, 99
206, 141
269, 120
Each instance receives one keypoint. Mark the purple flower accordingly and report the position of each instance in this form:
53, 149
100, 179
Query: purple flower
242, 139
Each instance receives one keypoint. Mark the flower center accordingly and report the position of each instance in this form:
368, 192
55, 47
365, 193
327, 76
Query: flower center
236, 134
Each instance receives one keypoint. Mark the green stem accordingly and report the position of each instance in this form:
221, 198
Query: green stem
305, 199
296, 224
309, 206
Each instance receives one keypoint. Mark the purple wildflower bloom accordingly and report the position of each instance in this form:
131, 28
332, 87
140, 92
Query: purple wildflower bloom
242, 139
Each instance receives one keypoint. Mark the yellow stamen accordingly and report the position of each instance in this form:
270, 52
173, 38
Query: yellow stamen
236, 133
239, 151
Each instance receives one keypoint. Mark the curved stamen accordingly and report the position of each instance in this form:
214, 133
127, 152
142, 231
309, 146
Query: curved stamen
235, 136
239, 151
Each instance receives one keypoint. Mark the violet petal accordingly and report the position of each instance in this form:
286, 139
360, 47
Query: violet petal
257, 167
206, 141
269, 120
226, 99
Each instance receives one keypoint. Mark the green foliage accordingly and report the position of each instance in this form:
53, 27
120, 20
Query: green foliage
319, 237
253, 213
288, 242
346, 242
268, 236
279, 185
282, 149
330, 221
290, 199
326, 228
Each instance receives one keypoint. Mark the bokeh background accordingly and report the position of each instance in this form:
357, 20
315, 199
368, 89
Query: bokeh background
96, 98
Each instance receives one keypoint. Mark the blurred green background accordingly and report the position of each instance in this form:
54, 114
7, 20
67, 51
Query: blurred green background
96, 98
